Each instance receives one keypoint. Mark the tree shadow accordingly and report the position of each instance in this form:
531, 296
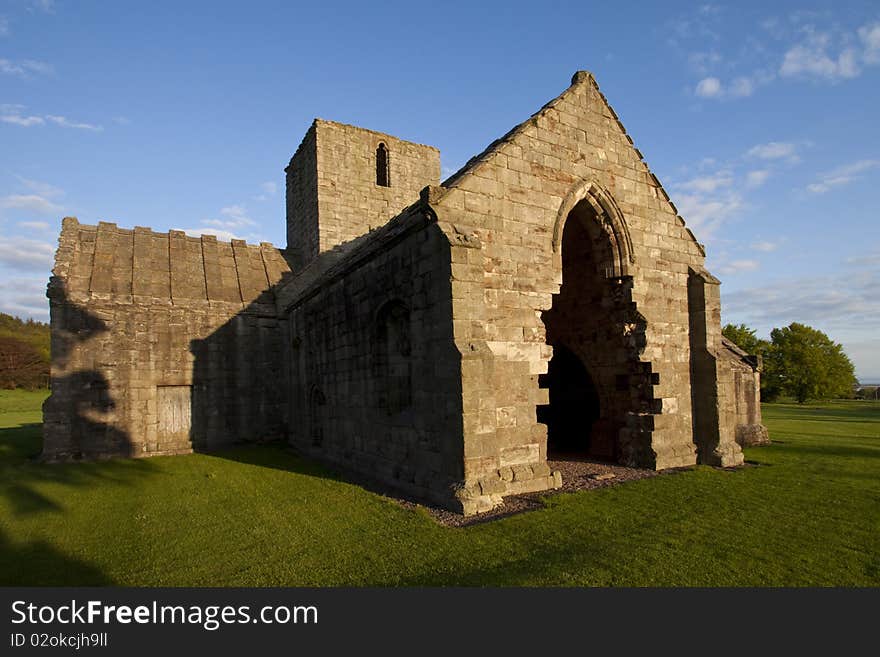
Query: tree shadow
78, 415
72, 324
23, 476
38, 563
278, 456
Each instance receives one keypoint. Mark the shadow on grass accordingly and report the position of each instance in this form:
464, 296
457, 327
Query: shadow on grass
39, 564
275, 455
23, 478
26, 485
278, 455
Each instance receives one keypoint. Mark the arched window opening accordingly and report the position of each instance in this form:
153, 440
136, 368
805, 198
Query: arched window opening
383, 176
317, 401
394, 358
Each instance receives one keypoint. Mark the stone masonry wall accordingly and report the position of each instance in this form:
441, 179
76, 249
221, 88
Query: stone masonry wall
742, 376
375, 376
161, 343
302, 201
509, 199
332, 176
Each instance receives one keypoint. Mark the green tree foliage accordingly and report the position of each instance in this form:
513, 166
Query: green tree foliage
21, 365
744, 338
24, 353
34, 333
806, 364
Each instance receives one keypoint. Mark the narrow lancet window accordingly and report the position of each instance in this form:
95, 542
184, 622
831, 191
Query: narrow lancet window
383, 177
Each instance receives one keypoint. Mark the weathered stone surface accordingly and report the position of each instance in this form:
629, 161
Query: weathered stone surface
439, 338
139, 338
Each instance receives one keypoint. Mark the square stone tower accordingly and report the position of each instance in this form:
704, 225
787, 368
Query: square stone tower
344, 181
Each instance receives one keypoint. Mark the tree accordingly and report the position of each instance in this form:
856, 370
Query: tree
744, 338
805, 363
22, 365
34, 333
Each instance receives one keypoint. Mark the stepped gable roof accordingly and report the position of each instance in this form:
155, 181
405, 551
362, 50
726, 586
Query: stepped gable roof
105, 262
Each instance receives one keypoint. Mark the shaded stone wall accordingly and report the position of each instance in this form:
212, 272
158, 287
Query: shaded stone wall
375, 375
742, 378
161, 343
332, 191
714, 420
302, 202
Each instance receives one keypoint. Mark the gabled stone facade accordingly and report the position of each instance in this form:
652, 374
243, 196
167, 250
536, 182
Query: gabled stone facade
440, 338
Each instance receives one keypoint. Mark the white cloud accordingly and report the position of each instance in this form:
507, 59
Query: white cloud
870, 37
41, 188
757, 178
808, 53
24, 68
25, 254
696, 25
269, 190
236, 216
737, 266
45, 6
844, 300
707, 184
846, 305
234, 221
121, 120
216, 232
842, 175
702, 62
4, 26
24, 121
14, 114
870, 260
64, 122
820, 56
739, 87
25, 297
764, 246
31, 203
34, 225
709, 88
705, 214
773, 150
805, 61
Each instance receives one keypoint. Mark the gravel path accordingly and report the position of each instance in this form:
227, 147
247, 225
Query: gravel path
576, 475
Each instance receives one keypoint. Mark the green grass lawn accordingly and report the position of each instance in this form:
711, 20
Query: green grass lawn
809, 514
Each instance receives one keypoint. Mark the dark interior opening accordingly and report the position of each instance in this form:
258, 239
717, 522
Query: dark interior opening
383, 177
587, 403
573, 407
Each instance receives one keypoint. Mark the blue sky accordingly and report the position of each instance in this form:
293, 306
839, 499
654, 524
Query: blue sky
759, 118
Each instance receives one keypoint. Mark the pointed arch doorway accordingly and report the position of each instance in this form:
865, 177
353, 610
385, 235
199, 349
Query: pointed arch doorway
596, 335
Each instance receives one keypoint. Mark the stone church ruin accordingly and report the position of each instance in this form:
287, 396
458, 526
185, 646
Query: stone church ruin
441, 338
